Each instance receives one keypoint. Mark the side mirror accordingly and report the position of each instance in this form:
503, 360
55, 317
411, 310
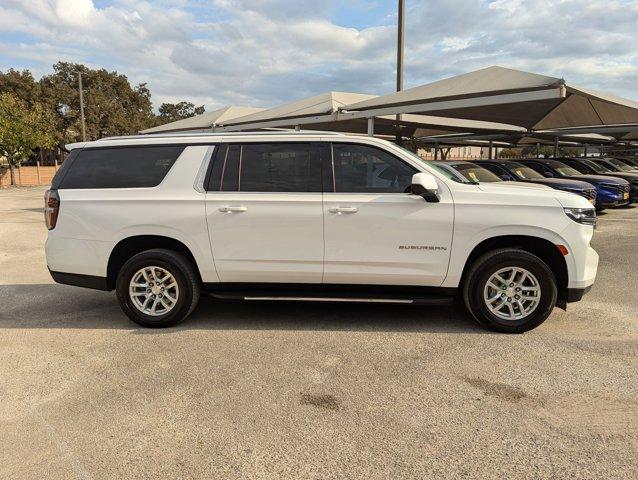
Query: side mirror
548, 174
505, 177
425, 185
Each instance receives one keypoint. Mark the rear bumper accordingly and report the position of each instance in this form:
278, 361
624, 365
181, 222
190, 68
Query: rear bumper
79, 280
576, 294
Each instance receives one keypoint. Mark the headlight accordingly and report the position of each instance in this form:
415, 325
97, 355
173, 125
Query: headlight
586, 216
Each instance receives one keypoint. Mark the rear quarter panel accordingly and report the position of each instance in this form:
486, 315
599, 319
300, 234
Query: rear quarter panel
93, 221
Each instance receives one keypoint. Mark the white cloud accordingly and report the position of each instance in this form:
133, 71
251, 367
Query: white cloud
263, 52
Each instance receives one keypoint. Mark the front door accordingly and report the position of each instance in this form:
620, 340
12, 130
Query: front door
375, 231
264, 213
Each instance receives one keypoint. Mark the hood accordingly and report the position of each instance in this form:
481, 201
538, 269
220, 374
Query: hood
533, 194
598, 179
630, 177
562, 183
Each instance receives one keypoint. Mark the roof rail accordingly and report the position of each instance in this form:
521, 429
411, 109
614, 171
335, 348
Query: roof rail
219, 134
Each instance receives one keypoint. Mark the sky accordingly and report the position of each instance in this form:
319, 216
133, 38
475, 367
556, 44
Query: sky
266, 52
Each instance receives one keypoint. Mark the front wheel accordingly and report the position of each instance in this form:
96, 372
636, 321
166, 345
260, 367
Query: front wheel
157, 288
510, 290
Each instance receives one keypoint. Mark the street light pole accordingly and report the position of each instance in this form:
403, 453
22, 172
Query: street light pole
400, 45
82, 107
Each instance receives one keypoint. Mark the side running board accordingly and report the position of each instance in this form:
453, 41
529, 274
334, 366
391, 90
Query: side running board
254, 296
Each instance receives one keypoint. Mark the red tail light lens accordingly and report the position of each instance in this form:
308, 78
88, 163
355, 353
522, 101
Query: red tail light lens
51, 208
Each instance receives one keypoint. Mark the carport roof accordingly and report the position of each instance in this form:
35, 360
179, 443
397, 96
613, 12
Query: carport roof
204, 121
323, 104
322, 112
504, 95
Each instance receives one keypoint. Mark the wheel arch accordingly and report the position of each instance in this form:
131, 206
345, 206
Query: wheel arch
541, 247
133, 245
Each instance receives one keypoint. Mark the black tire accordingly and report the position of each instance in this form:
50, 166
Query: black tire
182, 270
488, 264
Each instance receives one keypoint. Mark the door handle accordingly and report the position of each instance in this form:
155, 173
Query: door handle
340, 210
233, 209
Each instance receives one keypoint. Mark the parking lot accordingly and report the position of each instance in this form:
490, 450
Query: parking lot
290, 390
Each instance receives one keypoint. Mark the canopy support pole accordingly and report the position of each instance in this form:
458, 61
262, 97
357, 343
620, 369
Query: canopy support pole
371, 126
538, 150
555, 147
585, 151
436, 151
490, 153
400, 48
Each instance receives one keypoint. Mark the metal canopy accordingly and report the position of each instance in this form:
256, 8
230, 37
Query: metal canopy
317, 106
322, 112
618, 131
515, 139
503, 95
205, 121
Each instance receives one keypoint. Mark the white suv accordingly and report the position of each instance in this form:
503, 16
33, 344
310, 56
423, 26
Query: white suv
308, 216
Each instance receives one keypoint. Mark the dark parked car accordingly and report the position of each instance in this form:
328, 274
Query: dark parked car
631, 161
610, 191
465, 172
588, 166
615, 165
514, 171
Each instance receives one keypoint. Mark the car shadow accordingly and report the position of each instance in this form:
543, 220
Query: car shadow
59, 306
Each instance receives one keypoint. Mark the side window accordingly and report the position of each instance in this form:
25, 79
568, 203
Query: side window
230, 172
279, 167
120, 167
364, 169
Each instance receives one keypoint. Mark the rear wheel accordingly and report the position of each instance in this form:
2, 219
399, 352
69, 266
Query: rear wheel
157, 288
510, 290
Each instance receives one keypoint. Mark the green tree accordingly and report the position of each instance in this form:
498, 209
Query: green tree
509, 153
111, 105
23, 127
171, 112
22, 85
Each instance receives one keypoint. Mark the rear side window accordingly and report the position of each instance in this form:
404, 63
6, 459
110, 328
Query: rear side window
280, 167
126, 167
267, 167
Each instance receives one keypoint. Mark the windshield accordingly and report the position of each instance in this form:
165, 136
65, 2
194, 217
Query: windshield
447, 172
475, 173
596, 167
525, 173
622, 166
563, 169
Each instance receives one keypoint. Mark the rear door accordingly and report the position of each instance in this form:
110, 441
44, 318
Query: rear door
264, 213
375, 231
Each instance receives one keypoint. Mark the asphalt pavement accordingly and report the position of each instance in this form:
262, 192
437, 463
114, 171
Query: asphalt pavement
296, 390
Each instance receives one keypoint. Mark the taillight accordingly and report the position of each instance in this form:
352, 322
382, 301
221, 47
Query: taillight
51, 208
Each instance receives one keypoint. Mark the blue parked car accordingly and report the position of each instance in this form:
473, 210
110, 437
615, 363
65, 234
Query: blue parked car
615, 189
